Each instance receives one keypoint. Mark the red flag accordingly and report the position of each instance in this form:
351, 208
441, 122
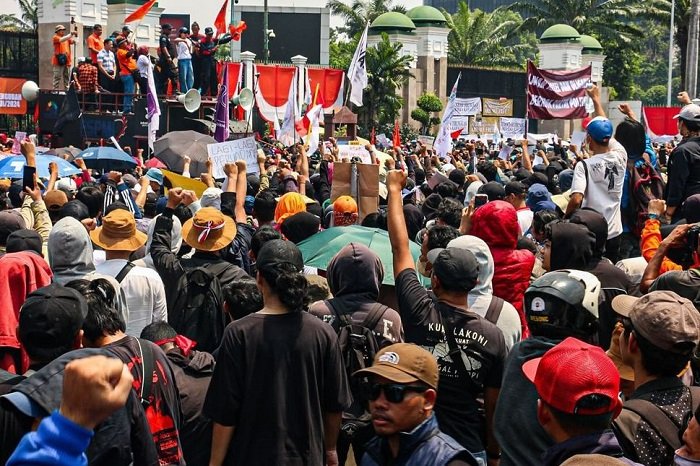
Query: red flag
220, 21
237, 31
397, 134
373, 137
140, 12
455, 134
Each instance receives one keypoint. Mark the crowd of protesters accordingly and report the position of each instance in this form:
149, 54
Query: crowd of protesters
550, 318
115, 65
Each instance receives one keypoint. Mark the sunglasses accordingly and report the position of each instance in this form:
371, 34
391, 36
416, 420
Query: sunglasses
393, 392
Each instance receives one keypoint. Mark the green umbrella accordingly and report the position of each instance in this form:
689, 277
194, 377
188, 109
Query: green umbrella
319, 249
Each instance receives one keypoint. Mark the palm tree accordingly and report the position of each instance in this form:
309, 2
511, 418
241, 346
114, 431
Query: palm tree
488, 39
26, 23
387, 70
360, 12
602, 18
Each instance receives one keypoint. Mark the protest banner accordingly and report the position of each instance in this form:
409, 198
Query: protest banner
467, 107
11, 101
514, 128
505, 152
354, 150
17, 142
497, 107
557, 94
577, 138
383, 140
178, 181
483, 126
426, 141
230, 151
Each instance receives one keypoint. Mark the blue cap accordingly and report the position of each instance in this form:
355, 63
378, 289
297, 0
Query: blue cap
249, 202
600, 129
154, 174
543, 205
537, 193
566, 177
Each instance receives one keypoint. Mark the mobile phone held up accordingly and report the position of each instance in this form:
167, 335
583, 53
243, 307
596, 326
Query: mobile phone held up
480, 200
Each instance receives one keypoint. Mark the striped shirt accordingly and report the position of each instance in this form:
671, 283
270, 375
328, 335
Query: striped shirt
106, 57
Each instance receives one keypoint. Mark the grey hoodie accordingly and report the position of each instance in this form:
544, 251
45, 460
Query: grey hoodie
70, 258
175, 241
480, 296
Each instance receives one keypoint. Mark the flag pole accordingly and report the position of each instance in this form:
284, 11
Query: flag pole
313, 104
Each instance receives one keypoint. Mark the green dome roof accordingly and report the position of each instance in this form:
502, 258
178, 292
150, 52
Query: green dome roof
590, 44
560, 33
392, 21
426, 14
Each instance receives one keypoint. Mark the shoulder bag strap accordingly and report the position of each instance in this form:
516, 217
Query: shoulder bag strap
373, 316
147, 365
657, 420
124, 271
493, 313
340, 319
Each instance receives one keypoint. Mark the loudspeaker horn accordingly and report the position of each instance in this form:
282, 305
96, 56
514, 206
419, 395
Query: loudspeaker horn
30, 91
191, 100
244, 99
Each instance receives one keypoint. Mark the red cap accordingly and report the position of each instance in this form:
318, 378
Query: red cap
572, 370
585, 121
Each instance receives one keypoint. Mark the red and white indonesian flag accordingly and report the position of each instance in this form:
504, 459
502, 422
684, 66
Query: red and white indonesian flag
443, 141
553, 95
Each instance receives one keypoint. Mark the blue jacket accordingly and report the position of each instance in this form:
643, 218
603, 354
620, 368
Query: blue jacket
425, 444
58, 442
601, 443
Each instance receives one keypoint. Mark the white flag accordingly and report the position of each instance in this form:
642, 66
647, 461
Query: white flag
443, 142
313, 137
288, 134
153, 108
357, 73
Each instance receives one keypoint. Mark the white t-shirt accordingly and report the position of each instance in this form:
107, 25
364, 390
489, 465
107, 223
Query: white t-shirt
602, 188
184, 50
145, 295
524, 220
142, 64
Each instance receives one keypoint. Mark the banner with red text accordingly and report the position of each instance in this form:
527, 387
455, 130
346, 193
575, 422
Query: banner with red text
555, 95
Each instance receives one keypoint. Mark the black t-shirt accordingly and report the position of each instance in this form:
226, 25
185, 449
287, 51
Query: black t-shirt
164, 42
275, 377
163, 410
481, 341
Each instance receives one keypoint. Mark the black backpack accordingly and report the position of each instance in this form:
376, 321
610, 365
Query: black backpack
359, 345
198, 309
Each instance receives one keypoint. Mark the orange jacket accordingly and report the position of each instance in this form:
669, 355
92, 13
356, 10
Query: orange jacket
649, 243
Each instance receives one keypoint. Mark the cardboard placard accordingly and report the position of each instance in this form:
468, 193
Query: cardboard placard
230, 151
354, 150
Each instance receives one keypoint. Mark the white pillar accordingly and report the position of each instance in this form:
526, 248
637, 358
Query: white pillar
247, 59
300, 62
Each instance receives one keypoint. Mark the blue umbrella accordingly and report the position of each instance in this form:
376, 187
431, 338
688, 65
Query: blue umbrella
13, 167
106, 158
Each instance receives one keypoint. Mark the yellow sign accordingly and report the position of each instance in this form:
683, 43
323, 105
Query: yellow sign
179, 181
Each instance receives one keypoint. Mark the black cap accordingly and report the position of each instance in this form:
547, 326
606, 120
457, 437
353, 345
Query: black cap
277, 252
51, 316
166, 26
494, 190
24, 240
457, 269
516, 187
521, 174
10, 221
208, 31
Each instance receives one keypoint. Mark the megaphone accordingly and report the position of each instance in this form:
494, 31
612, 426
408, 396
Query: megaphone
191, 100
244, 99
30, 91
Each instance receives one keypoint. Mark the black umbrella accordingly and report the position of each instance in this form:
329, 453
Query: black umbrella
175, 145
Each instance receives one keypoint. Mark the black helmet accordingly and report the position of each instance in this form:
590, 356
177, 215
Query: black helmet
563, 303
208, 31
183, 29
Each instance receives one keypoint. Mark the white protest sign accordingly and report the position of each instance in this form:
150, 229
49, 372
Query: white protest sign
535, 138
513, 128
505, 152
354, 150
577, 138
426, 141
230, 151
467, 107
383, 140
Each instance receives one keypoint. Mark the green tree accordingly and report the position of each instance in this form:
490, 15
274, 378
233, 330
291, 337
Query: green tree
26, 22
488, 39
341, 51
387, 70
427, 103
360, 12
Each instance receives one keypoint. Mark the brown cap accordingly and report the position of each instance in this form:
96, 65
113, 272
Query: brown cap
593, 460
60, 27
55, 199
118, 232
404, 363
667, 320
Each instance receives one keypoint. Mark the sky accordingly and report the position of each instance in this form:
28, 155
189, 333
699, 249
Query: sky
204, 11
